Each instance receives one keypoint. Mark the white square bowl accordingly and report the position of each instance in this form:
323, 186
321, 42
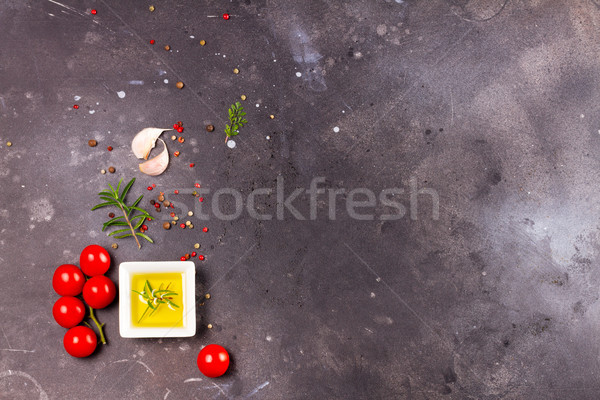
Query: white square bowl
126, 272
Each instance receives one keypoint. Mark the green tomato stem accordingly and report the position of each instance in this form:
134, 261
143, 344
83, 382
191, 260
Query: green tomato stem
98, 325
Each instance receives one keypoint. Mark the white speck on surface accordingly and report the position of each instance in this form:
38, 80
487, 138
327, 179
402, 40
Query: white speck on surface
162, 72
269, 338
381, 29
372, 295
93, 234
92, 111
231, 144
274, 60
582, 116
378, 279
136, 82
399, 1
184, 347
257, 105
166, 81
268, 137
298, 74
77, 98
31, 226
192, 37
40, 210
121, 94
97, 103
336, 129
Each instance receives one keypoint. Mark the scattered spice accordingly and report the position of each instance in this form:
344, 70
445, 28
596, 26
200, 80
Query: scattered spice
225, 16
8, 144
193, 254
109, 148
205, 229
166, 203
173, 137
161, 198
209, 326
202, 42
145, 227
272, 116
151, 8
92, 143
188, 223
201, 199
236, 71
180, 139
190, 213
182, 225
207, 296
157, 205
179, 129
176, 154
182, 258
187, 256
111, 215
210, 128
192, 165
152, 201
197, 185
197, 245
149, 187
176, 191
94, 12
243, 97
201, 257
167, 47
166, 225
114, 246
179, 85
152, 41
102, 171
191, 226
112, 170
76, 106
176, 218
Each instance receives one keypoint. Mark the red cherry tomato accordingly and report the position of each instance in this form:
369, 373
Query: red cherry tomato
213, 360
68, 311
68, 280
94, 260
80, 341
99, 291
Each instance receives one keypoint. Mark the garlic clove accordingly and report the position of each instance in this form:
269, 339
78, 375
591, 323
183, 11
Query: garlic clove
157, 165
145, 140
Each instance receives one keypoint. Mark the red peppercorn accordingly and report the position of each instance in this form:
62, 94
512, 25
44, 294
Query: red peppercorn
172, 206
149, 219
94, 12
152, 41
197, 185
154, 185
176, 191
175, 126
201, 257
182, 226
182, 258
201, 199
76, 106
179, 123
172, 214
157, 205
205, 229
179, 129
192, 165
149, 187
193, 254
225, 16
109, 148
145, 227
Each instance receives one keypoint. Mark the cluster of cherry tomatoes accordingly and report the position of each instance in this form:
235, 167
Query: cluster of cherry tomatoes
97, 291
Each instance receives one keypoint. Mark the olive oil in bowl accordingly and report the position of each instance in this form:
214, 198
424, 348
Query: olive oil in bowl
166, 314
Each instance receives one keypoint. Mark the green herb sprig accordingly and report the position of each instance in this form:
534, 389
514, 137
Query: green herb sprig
133, 216
236, 120
154, 298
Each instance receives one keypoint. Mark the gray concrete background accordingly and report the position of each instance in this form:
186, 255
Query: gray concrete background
494, 104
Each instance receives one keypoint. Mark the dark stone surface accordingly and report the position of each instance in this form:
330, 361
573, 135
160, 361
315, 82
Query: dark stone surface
491, 105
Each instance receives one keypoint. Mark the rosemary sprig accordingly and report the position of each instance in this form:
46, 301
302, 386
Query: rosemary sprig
236, 119
154, 298
112, 197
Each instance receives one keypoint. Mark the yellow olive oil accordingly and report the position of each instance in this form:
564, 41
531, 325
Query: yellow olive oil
164, 316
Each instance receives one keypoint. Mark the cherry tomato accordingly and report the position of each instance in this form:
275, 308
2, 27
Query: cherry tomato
99, 291
213, 360
68, 311
68, 280
94, 260
80, 341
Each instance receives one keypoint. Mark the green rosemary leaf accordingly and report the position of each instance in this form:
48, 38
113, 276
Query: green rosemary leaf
151, 305
119, 185
145, 311
105, 193
126, 189
97, 206
148, 287
171, 303
140, 222
123, 236
119, 231
144, 236
110, 199
137, 292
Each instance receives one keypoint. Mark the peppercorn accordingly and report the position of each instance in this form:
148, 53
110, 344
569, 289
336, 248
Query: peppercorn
236, 71
76, 106
272, 116
243, 97
179, 129
209, 326
210, 128
102, 171
152, 41
207, 296
201, 257
190, 213
176, 218
192, 165
182, 226
188, 223
152, 201
166, 225
179, 85
182, 258
173, 137
187, 256
114, 246
161, 198
167, 47
191, 226
111, 215
166, 203
176, 154
205, 229
202, 42
151, 8
8, 144
180, 139
109, 148
193, 254
157, 205
92, 143
197, 245
111, 170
